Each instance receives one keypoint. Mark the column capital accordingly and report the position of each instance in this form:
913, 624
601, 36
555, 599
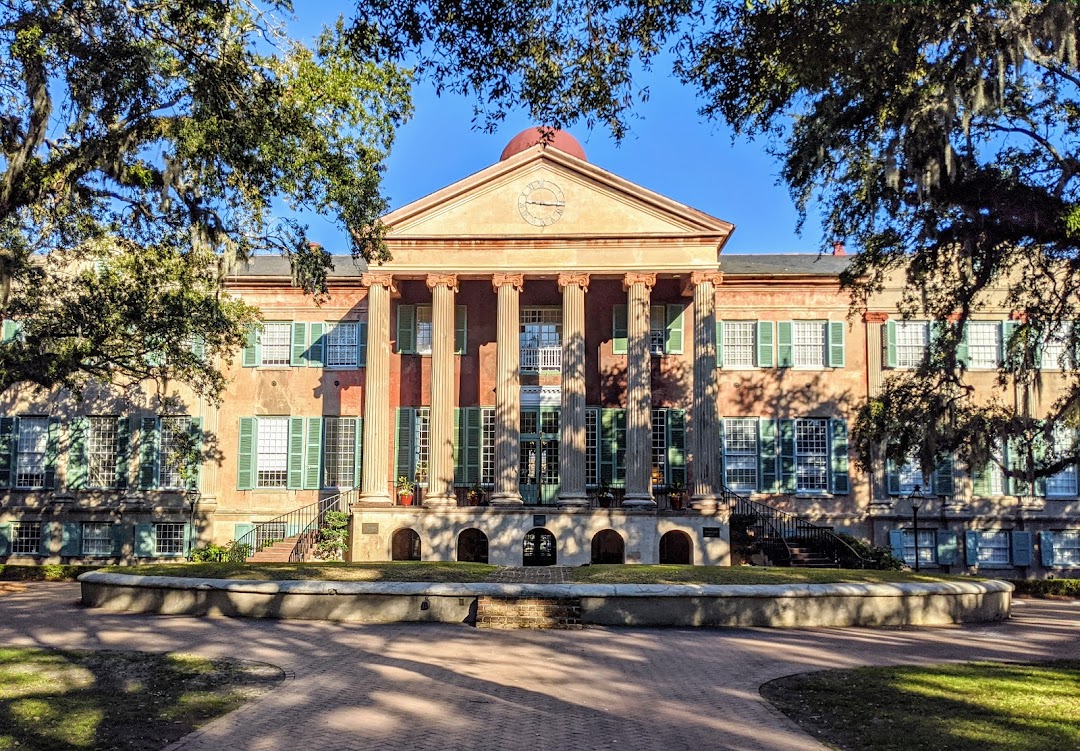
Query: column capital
381, 280
629, 280
447, 280
581, 280
517, 281
703, 277
872, 316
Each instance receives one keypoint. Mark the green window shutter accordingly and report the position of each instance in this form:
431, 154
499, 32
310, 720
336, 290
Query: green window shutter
358, 453
784, 348
196, 435
77, 463
719, 343
767, 466
980, 482
406, 329
361, 343
251, 347
10, 330
117, 534
299, 344
788, 480
317, 348
837, 351
676, 446
962, 348
620, 448
607, 445
971, 548
892, 477
474, 437
52, 452
405, 433
5, 539
123, 451
1022, 547
148, 453
313, 454
459, 447
619, 332
48, 529
8, 445
764, 344
890, 344
1015, 463
144, 541
948, 548
674, 318
1046, 548
1008, 328
896, 543
198, 347
245, 455
841, 479
189, 538
71, 540
242, 530
295, 479
461, 329
943, 477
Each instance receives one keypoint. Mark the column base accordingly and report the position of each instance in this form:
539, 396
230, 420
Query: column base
440, 501
506, 499
375, 499
574, 500
638, 500
706, 504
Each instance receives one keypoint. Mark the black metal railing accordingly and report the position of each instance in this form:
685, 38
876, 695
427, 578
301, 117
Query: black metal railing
303, 523
759, 527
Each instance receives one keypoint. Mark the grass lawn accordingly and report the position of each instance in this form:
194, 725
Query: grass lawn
116, 701
979, 706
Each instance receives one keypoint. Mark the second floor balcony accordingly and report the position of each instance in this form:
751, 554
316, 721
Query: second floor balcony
541, 358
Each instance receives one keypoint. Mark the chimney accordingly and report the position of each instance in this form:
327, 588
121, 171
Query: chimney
838, 249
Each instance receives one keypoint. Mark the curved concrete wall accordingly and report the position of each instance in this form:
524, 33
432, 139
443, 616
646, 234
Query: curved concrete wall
785, 606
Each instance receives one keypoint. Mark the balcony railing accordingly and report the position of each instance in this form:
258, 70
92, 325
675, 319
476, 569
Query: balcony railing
541, 358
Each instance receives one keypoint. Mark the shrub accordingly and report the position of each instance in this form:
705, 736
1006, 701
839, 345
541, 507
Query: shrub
333, 537
880, 559
1047, 587
212, 553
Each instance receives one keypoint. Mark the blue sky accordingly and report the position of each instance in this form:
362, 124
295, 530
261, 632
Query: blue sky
671, 150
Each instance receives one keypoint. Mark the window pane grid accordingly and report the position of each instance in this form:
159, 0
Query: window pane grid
657, 330
1064, 482
911, 475
267, 533
740, 453
811, 455
341, 348
912, 338
984, 344
1067, 548
1055, 347
738, 344
33, 439
96, 538
339, 452
592, 446
276, 343
927, 546
423, 329
659, 446
101, 452
168, 538
26, 538
423, 444
808, 338
487, 446
172, 430
994, 548
272, 460
541, 328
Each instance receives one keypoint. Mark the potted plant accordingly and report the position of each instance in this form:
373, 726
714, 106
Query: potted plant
475, 495
404, 491
676, 495
603, 494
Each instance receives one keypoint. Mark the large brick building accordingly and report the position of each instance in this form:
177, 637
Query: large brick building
552, 356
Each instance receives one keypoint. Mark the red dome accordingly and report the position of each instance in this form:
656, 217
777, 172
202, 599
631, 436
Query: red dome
529, 137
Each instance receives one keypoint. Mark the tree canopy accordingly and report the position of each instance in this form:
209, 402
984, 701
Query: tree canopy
939, 138
145, 148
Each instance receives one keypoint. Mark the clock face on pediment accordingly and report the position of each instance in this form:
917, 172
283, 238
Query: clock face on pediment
541, 203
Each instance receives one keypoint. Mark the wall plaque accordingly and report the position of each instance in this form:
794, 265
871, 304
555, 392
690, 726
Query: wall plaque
711, 531
369, 528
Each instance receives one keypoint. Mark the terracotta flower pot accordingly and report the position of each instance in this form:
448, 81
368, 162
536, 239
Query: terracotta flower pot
405, 499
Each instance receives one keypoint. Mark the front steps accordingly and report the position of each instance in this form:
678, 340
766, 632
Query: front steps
279, 552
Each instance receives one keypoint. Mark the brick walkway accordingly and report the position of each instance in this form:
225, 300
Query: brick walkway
405, 686
530, 575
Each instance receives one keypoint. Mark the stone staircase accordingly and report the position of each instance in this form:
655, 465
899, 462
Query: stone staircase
279, 552
809, 557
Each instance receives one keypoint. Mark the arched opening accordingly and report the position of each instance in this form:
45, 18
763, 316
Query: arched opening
538, 548
472, 546
405, 545
608, 547
676, 547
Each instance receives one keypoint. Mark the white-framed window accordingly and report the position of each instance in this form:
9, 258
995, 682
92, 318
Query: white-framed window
1067, 547
549, 422
741, 453
276, 343
912, 340
592, 446
101, 447
341, 344
173, 431
811, 455
740, 340
96, 538
657, 329
984, 344
272, 453
659, 446
927, 546
911, 475
424, 329
423, 444
1063, 484
540, 338
26, 538
487, 446
994, 548
1055, 348
808, 344
267, 533
995, 476
339, 452
32, 447
169, 538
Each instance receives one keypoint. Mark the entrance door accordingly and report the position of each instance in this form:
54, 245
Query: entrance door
529, 479
549, 471
538, 548
539, 466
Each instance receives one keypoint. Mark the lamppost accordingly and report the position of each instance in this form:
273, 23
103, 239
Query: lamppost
916, 503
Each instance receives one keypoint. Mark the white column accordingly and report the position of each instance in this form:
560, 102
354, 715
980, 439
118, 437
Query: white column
443, 392
638, 392
572, 416
507, 391
375, 461
705, 469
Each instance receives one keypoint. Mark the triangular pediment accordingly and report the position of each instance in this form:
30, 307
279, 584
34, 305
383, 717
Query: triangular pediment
545, 193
